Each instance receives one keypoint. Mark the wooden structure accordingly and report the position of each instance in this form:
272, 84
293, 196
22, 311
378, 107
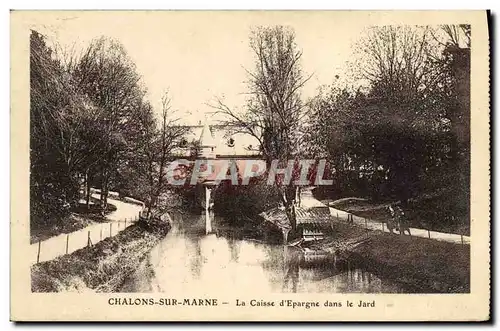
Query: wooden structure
312, 223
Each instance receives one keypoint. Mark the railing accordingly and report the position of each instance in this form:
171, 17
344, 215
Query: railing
374, 225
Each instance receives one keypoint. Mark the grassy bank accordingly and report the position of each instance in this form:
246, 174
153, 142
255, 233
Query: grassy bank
420, 263
418, 212
79, 217
102, 267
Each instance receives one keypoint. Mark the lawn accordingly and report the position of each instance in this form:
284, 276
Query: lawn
420, 212
427, 265
78, 218
421, 262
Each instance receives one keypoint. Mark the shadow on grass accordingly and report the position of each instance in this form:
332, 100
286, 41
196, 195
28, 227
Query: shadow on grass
78, 218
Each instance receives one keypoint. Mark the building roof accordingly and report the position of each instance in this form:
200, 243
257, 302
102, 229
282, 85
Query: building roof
242, 144
206, 137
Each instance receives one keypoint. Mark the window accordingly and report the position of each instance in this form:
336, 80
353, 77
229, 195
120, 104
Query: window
183, 143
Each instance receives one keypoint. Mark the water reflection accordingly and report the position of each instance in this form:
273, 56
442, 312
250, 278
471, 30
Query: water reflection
187, 260
292, 258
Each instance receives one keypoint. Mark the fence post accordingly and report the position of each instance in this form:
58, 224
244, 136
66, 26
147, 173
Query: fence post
366, 224
110, 228
462, 239
101, 233
429, 232
38, 254
337, 216
382, 226
89, 242
125, 223
67, 243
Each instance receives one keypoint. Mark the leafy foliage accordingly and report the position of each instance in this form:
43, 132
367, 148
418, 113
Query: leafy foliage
91, 124
408, 134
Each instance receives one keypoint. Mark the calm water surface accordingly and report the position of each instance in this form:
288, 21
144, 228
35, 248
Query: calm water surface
188, 260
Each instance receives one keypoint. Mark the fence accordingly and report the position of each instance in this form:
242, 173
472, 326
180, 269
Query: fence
68, 243
374, 225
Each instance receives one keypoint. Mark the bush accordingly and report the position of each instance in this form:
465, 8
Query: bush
238, 203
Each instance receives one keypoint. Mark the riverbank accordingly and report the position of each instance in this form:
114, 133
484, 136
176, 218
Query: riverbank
102, 267
422, 264
420, 211
79, 218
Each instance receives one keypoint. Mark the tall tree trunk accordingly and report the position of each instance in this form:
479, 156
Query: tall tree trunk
297, 195
289, 208
104, 192
101, 197
151, 205
83, 186
87, 189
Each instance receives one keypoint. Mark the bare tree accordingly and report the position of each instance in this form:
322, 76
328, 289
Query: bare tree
452, 35
274, 108
394, 60
161, 142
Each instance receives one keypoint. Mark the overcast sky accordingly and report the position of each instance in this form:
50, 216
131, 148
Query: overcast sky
200, 55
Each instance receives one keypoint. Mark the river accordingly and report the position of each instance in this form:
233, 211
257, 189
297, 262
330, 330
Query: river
188, 260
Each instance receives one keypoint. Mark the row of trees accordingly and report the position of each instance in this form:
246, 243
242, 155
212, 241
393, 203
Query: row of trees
91, 126
407, 134
402, 132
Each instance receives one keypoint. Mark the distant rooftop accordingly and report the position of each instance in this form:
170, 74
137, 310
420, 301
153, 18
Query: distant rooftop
226, 139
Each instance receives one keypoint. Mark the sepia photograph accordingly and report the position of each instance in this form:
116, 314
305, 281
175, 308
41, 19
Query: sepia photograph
271, 158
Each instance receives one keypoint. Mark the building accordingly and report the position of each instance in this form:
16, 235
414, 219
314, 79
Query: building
221, 144
218, 141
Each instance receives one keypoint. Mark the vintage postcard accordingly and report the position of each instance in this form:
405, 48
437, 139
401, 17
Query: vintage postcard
250, 166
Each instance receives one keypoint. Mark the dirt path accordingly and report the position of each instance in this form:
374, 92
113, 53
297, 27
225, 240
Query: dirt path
68, 243
308, 201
